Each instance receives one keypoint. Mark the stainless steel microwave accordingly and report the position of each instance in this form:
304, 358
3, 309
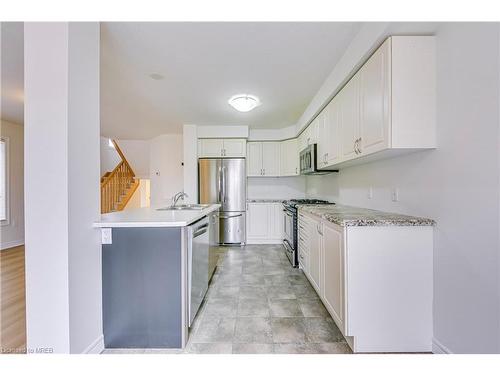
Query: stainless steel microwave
308, 158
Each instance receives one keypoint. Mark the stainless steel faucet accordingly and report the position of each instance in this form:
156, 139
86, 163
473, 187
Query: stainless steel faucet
178, 196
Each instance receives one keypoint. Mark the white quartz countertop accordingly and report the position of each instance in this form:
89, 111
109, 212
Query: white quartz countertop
152, 217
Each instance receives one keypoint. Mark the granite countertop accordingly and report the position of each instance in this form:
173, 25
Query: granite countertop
265, 200
349, 216
152, 217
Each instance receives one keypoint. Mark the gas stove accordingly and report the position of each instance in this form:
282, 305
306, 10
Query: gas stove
290, 226
294, 202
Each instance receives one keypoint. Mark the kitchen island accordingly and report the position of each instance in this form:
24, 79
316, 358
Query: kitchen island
155, 271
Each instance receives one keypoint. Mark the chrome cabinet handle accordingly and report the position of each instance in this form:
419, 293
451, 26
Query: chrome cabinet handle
318, 228
357, 149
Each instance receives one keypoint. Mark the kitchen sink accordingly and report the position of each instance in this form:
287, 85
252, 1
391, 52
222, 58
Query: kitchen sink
184, 207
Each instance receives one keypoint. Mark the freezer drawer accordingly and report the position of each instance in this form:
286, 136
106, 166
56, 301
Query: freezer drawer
232, 228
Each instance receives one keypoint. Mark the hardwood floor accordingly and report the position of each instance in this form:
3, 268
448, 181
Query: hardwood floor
12, 301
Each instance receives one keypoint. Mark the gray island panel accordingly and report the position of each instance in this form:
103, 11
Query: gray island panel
141, 283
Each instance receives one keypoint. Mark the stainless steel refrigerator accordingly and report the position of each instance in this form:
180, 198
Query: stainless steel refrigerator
223, 181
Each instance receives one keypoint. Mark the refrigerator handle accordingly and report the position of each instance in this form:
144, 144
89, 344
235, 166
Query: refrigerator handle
223, 185
219, 183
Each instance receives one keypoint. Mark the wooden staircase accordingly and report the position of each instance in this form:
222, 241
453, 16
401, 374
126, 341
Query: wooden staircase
118, 186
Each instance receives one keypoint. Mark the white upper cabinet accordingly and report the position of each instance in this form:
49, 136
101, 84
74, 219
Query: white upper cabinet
271, 158
289, 158
218, 147
302, 141
312, 132
389, 104
333, 124
254, 159
374, 102
235, 147
323, 138
349, 108
329, 142
263, 159
210, 148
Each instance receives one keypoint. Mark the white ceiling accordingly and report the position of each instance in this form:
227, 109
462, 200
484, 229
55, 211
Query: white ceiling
12, 71
203, 64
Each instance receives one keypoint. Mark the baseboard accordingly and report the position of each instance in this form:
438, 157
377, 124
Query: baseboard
439, 348
96, 347
10, 244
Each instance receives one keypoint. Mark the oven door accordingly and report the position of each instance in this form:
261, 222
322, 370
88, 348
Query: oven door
288, 227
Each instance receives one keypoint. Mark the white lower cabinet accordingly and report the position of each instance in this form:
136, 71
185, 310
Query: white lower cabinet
315, 250
376, 282
264, 223
332, 272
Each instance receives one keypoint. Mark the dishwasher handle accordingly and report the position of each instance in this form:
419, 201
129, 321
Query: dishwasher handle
200, 230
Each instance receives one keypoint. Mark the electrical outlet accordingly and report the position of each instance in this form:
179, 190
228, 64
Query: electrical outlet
106, 236
370, 192
395, 195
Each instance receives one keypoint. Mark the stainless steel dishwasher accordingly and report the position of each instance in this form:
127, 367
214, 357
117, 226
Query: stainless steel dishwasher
198, 247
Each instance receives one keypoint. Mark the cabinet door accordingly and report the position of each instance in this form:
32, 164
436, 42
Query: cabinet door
276, 221
323, 138
210, 148
271, 158
313, 132
334, 128
302, 141
315, 255
333, 273
349, 102
258, 225
234, 148
374, 93
254, 159
289, 158
303, 243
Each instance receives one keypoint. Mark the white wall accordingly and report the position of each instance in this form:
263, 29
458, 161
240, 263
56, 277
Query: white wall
137, 153
84, 187
167, 177
141, 196
12, 232
457, 185
190, 157
276, 187
109, 157
63, 252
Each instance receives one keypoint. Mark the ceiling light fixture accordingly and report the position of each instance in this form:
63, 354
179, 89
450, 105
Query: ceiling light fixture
244, 102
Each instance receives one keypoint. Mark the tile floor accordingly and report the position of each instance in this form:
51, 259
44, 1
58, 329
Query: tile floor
258, 303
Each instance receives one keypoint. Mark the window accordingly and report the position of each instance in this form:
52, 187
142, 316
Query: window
3, 178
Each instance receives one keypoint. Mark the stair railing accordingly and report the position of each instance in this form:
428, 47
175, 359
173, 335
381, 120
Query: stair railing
115, 185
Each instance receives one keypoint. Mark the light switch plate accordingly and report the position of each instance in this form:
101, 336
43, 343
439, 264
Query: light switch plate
106, 236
